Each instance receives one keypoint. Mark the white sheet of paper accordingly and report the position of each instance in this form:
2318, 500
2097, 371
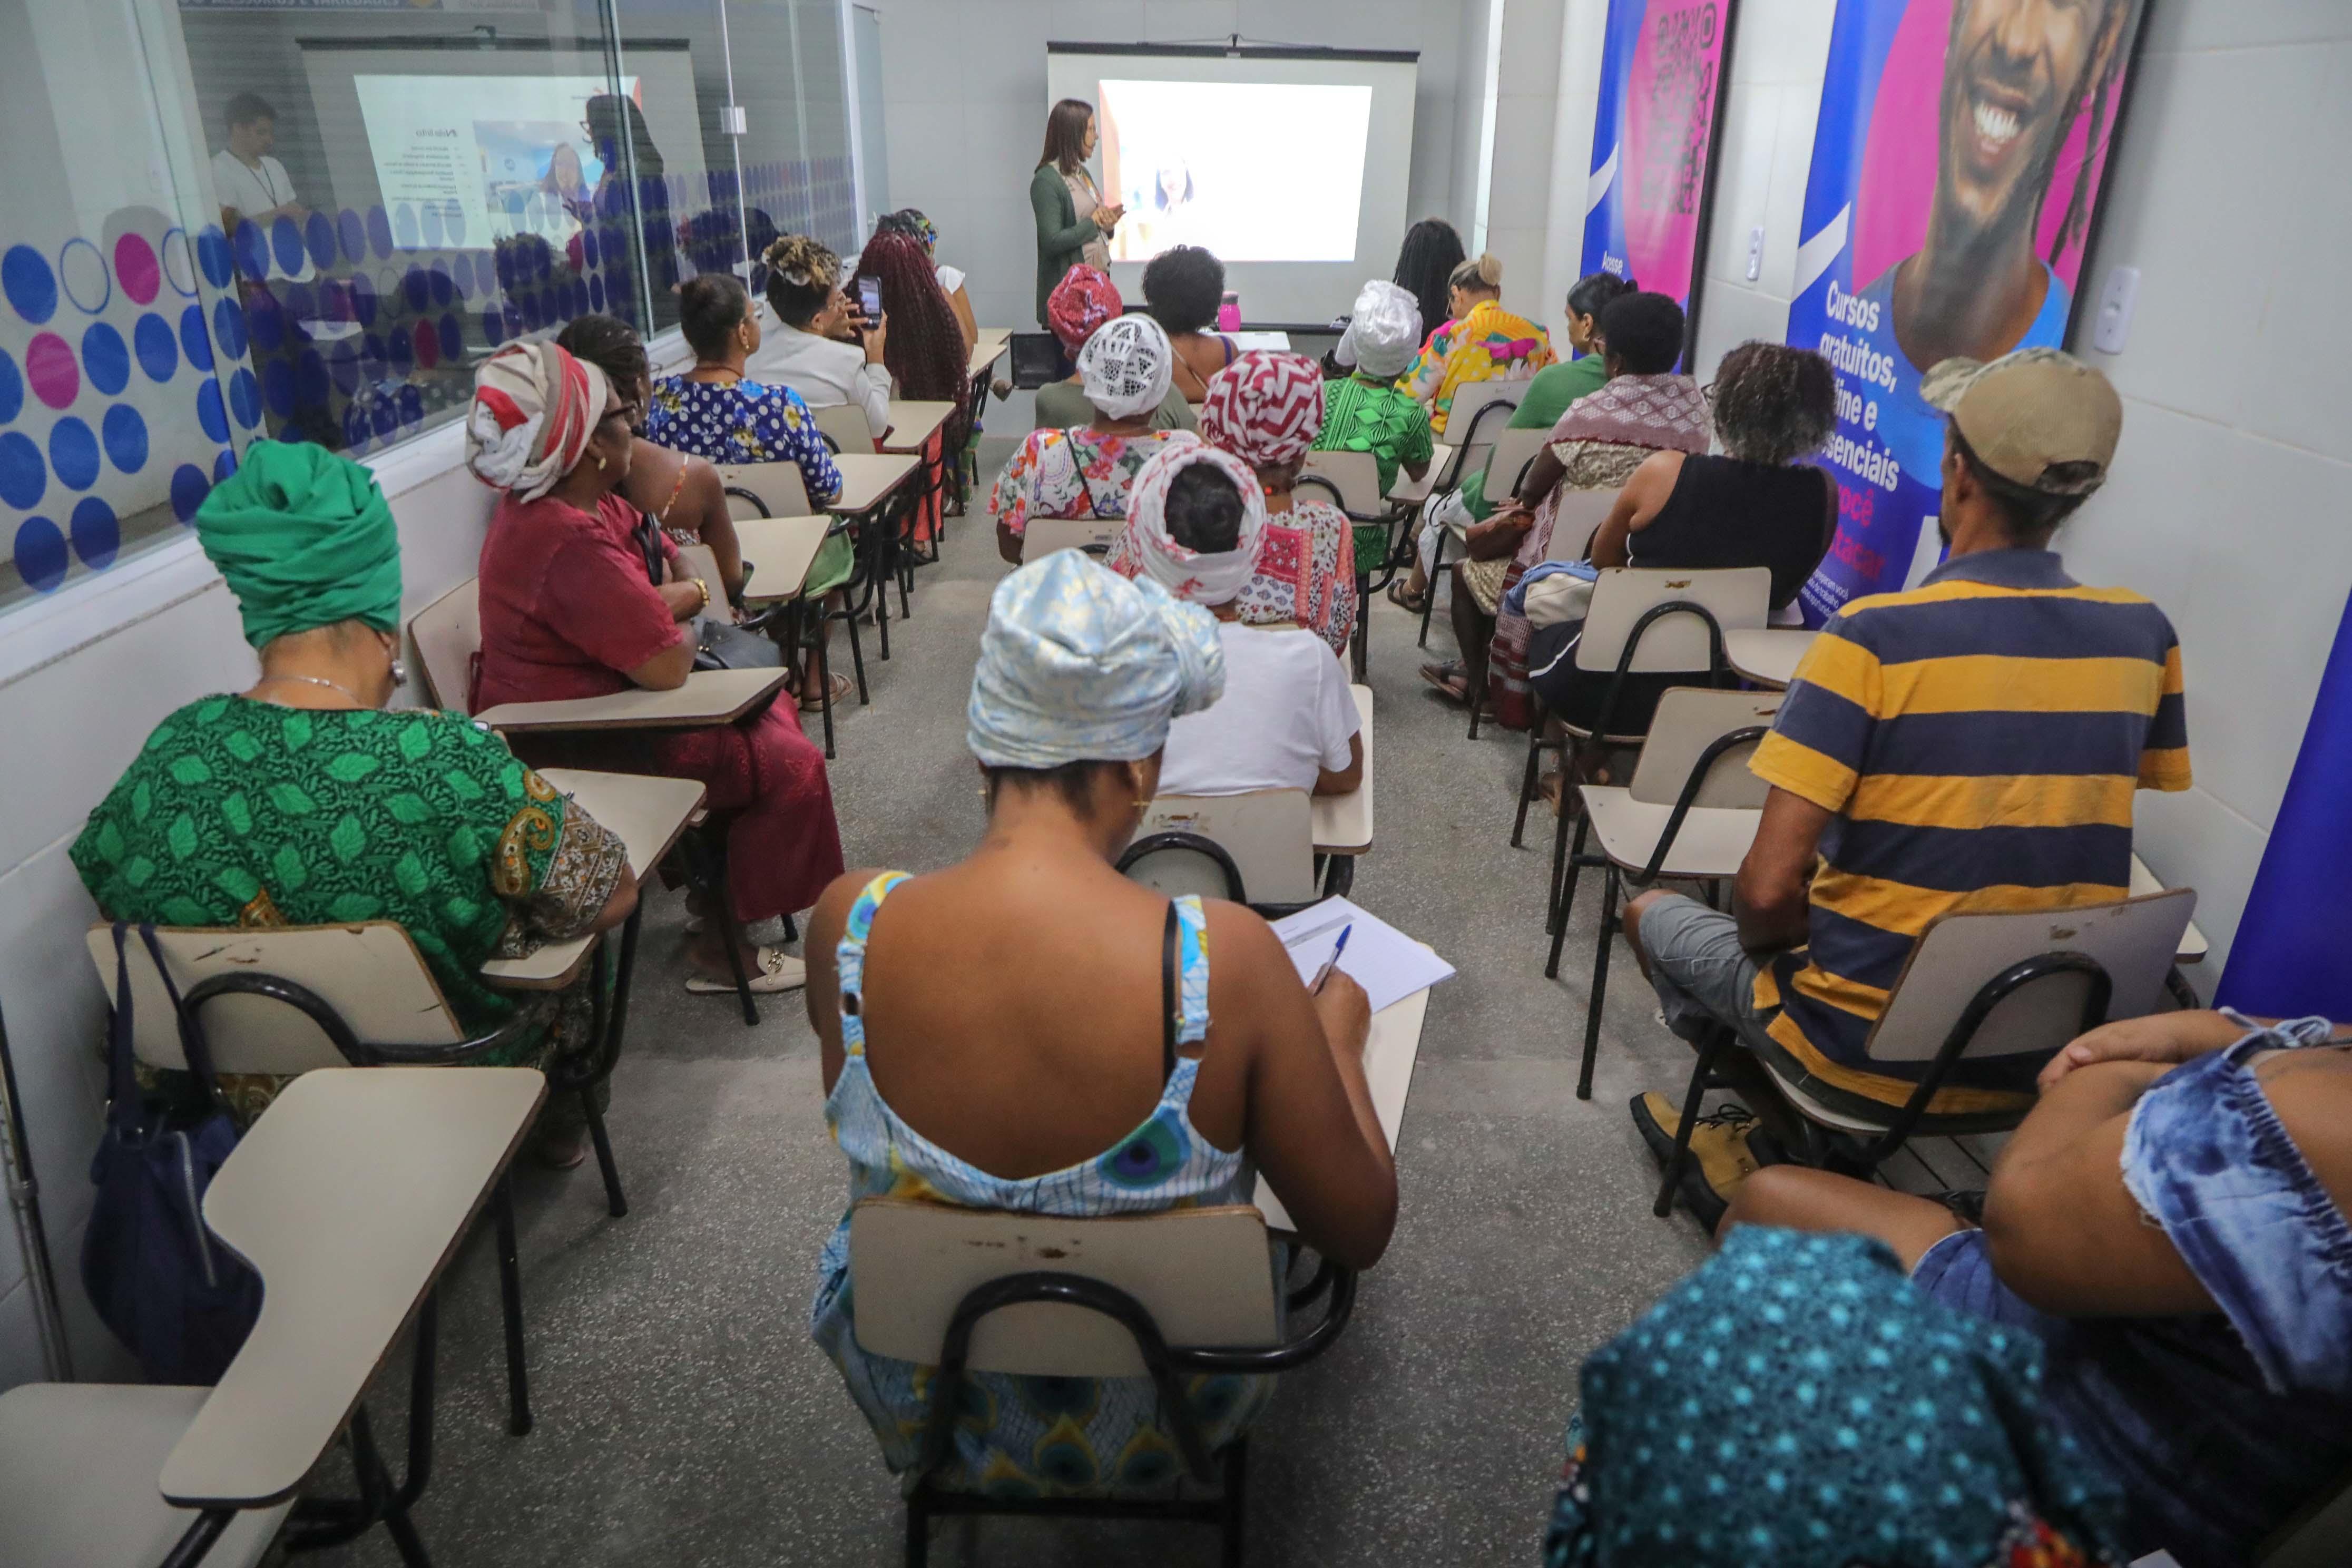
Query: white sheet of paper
1385, 962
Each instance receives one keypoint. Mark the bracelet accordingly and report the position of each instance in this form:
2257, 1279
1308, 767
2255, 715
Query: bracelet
704, 589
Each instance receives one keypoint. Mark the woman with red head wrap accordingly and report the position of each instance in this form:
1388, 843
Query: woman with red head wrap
1265, 409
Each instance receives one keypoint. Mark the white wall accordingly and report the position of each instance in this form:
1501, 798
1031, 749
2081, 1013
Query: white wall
964, 85
2228, 505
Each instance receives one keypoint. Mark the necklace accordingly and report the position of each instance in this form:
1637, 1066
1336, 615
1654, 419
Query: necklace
317, 680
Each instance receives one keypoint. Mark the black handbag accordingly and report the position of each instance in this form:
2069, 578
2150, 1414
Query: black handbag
722, 646
164, 1284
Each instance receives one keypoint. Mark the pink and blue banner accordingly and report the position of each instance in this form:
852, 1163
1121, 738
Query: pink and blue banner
1956, 177
1654, 140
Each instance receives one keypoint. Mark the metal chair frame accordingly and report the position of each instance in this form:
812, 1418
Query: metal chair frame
1451, 479
1845, 1153
802, 622
1167, 1365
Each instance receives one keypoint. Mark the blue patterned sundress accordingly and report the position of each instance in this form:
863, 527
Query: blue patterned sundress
1029, 1436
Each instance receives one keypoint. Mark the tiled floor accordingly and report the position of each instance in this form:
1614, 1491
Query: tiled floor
684, 1417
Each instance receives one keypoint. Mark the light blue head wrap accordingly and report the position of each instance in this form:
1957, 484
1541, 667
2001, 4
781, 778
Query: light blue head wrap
1080, 665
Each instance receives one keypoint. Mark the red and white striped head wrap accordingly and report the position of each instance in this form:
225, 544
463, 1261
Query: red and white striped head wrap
534, 408
1265, 407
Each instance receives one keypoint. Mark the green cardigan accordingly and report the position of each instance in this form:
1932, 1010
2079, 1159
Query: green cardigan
1061, 236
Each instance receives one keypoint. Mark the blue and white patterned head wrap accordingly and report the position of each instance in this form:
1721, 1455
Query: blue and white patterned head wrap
1080, 665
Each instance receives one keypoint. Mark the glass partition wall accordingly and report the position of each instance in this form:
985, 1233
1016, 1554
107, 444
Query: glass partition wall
232, 220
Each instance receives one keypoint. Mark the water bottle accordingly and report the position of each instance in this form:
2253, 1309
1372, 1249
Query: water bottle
1228, 312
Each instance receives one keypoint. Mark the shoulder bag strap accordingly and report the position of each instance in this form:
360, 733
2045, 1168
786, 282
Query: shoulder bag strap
123, 1110
193, 1044
1168, 1002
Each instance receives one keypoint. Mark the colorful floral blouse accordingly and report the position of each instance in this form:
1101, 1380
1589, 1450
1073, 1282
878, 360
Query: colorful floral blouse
1073, 473
1488, 344
741, 422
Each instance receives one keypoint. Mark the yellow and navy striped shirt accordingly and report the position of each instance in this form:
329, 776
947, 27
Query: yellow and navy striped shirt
1980, 738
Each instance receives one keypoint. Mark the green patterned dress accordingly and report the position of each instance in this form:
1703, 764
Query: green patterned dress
243, 812
1360, 416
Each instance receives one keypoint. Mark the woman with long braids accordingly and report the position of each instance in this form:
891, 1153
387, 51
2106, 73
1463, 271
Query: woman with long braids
1425, 265
926, 354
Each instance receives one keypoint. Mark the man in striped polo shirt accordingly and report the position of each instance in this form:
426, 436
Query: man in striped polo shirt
1973, 744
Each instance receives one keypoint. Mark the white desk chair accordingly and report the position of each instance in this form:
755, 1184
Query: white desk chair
1641, 622
1256, 848
348, 1196
844, 425
1352, 479
2012, 987
1044, 535
1580, 513
981, 1290
1481, 411
1352, 482
772, 490
1689, 812
1508, 463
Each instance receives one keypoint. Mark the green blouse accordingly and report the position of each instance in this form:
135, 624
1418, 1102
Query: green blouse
243, 812
1360, 416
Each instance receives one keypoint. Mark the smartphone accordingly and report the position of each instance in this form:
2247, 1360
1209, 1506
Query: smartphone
869, 298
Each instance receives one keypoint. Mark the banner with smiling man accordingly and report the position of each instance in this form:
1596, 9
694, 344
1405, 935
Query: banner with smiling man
1955, 176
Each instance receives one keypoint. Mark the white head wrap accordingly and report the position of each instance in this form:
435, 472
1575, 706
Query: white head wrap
1385, 332
1080, 665
1187, 574
1127, 365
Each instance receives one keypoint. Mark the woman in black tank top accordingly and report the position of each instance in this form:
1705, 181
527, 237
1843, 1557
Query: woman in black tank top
1756, 505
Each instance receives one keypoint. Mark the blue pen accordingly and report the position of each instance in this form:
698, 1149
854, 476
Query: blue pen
1333, 962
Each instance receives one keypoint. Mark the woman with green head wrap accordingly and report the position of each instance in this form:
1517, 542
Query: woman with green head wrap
300, 802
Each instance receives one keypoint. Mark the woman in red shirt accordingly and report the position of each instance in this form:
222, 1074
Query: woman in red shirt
569, 609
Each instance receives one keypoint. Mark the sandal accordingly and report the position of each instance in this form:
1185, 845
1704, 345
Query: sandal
775, 970
1451, 678
842, 687
1402, 597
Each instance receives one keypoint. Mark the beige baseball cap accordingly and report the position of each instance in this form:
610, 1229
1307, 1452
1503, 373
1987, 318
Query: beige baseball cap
2038, 417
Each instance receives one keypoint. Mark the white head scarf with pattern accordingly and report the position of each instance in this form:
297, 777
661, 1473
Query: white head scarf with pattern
1188, 575
1127, 365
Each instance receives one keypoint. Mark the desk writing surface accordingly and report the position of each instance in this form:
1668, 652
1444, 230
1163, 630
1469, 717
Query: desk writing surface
2193, 946
1408, 488
986, 349
646, 814
347, 1195
1343, 823
1769, 654
780, 550
1390, 1053
866, 477
709, 697
912, 423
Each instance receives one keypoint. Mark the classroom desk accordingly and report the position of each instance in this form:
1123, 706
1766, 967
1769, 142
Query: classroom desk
709, 697
1253, 342
780, 550
1343, 823
1390, 1053
912, 423
348, 1196
986, 350
866, 480
648, 814
1409, 490
1768, 656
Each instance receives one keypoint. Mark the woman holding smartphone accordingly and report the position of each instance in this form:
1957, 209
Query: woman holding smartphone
822, 347
1073, 223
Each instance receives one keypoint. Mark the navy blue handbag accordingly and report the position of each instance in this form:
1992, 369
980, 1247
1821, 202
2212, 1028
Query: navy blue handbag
178, 1298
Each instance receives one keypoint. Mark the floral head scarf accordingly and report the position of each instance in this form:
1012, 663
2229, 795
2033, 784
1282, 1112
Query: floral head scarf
1264, 408
1084, 299
1187, 574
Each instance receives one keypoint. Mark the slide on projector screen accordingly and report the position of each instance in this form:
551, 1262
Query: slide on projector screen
1188, 161
1291, 163
493, 157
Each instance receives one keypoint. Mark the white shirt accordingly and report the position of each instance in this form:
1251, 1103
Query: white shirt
824, 371
1287, 715
250, 192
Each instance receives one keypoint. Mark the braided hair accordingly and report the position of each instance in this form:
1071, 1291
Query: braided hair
926, 349
1431, 252
2122, 17
1773, 403
613, 346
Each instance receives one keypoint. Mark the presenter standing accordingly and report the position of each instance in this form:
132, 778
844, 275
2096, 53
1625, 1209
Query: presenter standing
1074, 223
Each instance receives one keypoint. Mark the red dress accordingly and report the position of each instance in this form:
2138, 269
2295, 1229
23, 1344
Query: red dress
566, 608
